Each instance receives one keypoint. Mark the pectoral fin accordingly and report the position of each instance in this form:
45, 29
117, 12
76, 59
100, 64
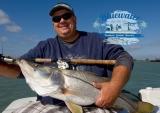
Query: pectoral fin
74, 108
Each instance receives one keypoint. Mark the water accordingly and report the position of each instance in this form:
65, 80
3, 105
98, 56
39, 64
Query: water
12, 89
144, 74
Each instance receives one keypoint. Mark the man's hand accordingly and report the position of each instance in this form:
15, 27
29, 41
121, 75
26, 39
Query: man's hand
109, 91
108, 94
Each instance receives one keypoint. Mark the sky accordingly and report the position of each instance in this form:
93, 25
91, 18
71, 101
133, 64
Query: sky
23, 23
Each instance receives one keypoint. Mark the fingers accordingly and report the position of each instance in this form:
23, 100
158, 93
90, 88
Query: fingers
99, 100
105, 97
102, 102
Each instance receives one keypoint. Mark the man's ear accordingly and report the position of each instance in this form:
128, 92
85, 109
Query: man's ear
75, 20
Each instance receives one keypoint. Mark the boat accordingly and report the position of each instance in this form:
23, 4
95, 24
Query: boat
16, 104
151, 95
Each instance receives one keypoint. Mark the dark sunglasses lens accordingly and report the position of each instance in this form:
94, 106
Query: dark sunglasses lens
56, 19
65, 16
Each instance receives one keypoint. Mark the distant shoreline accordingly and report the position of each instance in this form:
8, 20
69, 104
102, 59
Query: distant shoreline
148, 60
154, 60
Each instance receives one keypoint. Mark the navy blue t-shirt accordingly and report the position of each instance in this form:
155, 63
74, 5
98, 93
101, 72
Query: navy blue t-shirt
88, 46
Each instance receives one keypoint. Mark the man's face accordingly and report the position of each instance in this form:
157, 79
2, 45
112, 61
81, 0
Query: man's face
65, 24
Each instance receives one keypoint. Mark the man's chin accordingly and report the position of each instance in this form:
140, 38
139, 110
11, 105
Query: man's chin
65, 33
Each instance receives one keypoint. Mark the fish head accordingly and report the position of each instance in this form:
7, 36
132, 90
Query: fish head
42, 79
39, 71
33, 69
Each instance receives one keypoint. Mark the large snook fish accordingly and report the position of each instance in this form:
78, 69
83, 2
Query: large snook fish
73, 87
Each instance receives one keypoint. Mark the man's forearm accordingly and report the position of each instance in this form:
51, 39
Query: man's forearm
120, 76
9, 70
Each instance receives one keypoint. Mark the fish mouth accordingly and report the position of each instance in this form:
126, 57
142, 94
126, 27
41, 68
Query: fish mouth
25, 65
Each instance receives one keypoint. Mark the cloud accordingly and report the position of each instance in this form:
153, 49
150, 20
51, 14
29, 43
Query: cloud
3, 39
13, 28
8, 24
4, 19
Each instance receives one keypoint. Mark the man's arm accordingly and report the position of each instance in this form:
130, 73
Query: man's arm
111, 90
9, 70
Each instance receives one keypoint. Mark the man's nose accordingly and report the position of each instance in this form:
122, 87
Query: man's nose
62, 20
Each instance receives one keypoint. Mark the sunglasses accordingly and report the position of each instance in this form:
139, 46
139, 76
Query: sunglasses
65, 16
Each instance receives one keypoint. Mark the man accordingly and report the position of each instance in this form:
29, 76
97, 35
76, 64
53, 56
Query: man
71, 43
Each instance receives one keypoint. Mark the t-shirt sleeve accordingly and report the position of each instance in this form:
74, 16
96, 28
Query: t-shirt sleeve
36, 52
117, 52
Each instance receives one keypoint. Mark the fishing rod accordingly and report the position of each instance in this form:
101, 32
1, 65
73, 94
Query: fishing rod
7, 59
69, 61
